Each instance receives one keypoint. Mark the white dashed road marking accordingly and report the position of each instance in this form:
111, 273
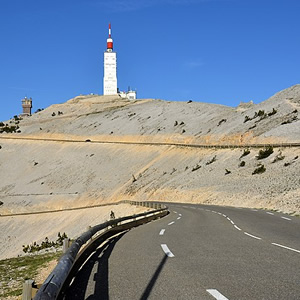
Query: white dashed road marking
167, 250
217, 295
162, 232
178, 218
171, 223
237, 227
286, 218
285, 247
253, 236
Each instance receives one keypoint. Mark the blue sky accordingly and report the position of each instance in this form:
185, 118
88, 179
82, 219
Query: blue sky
217, 51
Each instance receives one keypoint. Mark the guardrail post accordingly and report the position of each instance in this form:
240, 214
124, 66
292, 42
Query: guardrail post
65, 245
27, 289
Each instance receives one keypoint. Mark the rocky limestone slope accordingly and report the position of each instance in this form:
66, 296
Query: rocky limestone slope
39, 175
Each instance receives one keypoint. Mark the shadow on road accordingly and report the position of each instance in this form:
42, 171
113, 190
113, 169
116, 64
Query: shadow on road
81, 288
86, 287
154, 278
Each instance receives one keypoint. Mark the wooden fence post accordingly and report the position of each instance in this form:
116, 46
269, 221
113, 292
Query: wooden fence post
27, 289
65, 245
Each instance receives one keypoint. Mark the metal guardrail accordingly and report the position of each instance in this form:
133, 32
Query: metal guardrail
137, 203
52, 286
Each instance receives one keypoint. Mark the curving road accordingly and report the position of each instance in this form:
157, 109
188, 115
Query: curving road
198, 252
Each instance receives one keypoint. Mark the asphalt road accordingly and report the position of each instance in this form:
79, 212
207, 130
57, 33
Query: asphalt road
198, 252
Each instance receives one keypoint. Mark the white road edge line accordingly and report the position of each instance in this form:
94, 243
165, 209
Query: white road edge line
286, 218
171, 223
237, 227
269, 213
253, 236
162, 232
167, 250
216, 294
285, 247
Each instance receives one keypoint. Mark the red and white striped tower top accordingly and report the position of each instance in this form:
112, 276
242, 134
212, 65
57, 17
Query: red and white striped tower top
109, 40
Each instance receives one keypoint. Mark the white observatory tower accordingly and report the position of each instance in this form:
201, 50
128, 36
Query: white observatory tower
110, 68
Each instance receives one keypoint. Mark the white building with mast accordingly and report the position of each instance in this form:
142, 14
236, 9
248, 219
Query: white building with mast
110, 82
110, 86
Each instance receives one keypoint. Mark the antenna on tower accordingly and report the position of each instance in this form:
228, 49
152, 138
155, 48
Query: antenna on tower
109, 40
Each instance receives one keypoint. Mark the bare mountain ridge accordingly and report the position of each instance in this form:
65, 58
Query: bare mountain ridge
48, 175
114, 118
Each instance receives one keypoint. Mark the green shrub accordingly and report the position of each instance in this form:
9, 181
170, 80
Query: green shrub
261, 113
45, 244
212, 160
273, 112
197, 167
264, 153
242, 163
247, 118
227, 172
245, 153
261, 169
222, 121
10, 129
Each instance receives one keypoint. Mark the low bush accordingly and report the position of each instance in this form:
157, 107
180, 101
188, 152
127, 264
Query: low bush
247, 118
222, 121
212, 160
173, 171
245, 153
242, 163
133, 178
261, 169
9, 129
197, 167
45, 244
264, 153
227, 172
273, 112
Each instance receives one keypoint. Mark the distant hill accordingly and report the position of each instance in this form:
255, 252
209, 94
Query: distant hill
38, 174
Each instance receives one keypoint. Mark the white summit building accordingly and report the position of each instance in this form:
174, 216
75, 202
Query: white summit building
110, 83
